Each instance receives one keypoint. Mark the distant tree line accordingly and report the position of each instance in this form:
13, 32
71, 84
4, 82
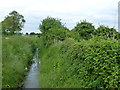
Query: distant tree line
54, 31
53, 28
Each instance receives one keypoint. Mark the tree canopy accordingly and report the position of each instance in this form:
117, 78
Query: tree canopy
53, 31
107, 32
13, 23
49, 23
85, 29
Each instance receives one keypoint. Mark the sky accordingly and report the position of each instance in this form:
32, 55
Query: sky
98, 12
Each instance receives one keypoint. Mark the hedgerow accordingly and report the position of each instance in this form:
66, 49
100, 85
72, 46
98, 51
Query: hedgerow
84, 57
91, 64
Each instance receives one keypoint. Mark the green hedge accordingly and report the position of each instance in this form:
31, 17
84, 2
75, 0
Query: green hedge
87, 64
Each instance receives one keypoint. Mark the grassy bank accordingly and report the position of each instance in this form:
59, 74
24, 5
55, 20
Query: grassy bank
17, 52
86, 64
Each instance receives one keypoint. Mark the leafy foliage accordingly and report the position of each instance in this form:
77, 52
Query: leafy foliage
107, 32
54, 35
13, 23
85, 64
84, 57
49, 23
85, 29
52, 31
95, 63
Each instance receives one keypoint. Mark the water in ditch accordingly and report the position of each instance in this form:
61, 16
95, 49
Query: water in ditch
32, 80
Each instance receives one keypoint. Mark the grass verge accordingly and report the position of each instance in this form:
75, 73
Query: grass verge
17, 52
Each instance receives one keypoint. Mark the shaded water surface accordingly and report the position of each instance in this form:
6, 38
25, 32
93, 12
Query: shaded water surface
32, 80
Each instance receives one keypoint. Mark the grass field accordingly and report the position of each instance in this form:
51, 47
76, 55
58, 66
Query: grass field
17, 53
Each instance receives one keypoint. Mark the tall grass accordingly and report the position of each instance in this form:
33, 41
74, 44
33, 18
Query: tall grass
17, 52
48, 57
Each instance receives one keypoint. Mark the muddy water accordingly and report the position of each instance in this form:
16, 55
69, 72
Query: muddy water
32, 80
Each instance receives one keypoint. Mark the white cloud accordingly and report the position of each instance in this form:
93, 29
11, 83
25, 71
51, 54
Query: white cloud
70, 11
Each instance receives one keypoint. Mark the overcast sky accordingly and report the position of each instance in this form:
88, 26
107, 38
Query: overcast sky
98, 12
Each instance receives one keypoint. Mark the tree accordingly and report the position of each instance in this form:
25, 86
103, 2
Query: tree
13, 23
52, 31
85, 29
54, 35
49, 23
107, 32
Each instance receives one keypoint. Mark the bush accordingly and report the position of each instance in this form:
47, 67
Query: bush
85, 64
53, 35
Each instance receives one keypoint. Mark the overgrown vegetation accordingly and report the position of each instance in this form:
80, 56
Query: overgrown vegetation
82, 58
17, 52
85, 64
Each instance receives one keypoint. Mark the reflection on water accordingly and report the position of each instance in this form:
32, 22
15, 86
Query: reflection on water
32, 77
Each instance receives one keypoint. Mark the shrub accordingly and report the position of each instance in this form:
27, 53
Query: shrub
86, 64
